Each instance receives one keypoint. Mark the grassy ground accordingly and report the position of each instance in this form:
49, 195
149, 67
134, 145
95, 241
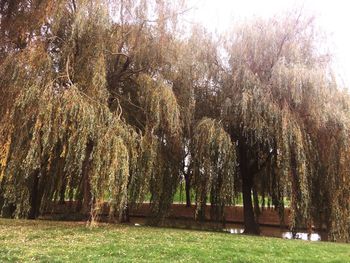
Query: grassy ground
49, 241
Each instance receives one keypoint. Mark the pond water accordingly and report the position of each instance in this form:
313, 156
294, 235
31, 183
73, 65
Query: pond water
233, 228
278, 232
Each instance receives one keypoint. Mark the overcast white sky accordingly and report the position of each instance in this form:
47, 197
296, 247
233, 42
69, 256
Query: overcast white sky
333, 16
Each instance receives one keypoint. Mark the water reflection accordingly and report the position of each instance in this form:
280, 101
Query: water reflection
302, 236
233, 228
277, 232
236, 230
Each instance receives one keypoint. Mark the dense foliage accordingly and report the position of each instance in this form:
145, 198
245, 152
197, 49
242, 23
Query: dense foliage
110, 101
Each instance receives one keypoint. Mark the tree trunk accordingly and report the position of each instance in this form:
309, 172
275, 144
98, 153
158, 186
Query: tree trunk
38, 188
250, 224
64, 180
62, 194
256, 203
188, 190
2, 199
7, 210
85, 197
33, 212
125, 217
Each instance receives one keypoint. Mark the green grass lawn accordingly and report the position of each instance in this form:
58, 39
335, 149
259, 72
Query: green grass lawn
50, 241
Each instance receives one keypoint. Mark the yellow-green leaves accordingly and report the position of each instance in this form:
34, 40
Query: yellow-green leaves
214, 166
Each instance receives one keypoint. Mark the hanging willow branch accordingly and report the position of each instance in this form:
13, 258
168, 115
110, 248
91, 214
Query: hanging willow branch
214, 167
163, 131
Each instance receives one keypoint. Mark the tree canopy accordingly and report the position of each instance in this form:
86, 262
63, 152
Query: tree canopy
112, 101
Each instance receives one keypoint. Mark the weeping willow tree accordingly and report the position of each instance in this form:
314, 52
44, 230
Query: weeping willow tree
214, 168
62, 144
163, 124
330, 187
279, 101
194, 73
61, 138
105, 101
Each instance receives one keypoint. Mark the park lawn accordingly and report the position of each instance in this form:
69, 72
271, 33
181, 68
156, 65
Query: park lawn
52, 241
